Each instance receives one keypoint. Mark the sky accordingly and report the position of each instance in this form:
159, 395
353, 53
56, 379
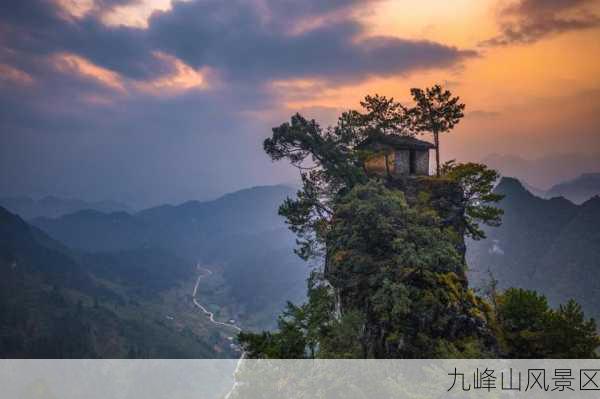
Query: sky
153, 101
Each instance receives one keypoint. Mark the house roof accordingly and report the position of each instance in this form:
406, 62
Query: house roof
379, 141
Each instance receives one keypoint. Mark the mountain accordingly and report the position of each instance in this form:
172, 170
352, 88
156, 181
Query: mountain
577, 190
55, 303
52, 207
187, 228
92, 231
550, 245
546, 171
263, 273
240, 236
534, 190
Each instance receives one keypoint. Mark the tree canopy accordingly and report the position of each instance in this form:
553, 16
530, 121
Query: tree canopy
530, 329
392, 281
436, 111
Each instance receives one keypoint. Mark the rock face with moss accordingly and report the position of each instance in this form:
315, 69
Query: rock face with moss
395, 260
393, 280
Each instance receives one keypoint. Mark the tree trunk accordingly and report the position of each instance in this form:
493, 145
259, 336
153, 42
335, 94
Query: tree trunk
436, 138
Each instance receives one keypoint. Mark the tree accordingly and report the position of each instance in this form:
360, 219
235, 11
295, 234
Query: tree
384, 115
436, 111
302, 330
530, 329
522, 317
477, 183
570, 335
328, 163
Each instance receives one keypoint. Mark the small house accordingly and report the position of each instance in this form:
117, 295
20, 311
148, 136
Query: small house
393, 155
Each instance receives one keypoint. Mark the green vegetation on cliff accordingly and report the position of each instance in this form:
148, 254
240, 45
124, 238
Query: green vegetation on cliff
393, 277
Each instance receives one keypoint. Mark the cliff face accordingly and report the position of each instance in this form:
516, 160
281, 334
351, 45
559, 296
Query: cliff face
396, 259
444, 196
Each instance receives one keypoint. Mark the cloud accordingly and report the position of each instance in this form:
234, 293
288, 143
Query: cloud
245, 42
9, 74
239, 38
183, 78
71, 63
528, 21
175, 109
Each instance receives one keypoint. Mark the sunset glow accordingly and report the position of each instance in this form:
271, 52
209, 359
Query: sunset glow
526, 69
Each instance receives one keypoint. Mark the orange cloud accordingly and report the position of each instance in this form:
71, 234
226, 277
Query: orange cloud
75, 8
183, 78
135, 14
71, 63
9, 74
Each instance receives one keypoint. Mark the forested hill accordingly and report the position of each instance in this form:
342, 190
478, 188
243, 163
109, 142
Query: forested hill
58, 304
240, 233
550, 245
188, 229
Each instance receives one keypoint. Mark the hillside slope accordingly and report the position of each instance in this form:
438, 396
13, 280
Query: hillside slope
239, 235
58, 304
550, 245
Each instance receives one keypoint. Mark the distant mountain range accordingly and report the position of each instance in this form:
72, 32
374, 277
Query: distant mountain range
105, 284
91, 283
52, 207
544, 172
550, 245
577, 190
55, 303
240, 233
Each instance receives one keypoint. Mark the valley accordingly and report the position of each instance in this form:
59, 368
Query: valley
181, 281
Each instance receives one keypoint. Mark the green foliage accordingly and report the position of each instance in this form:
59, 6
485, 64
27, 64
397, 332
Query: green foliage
384, 115
395, 272
477, 184
531, 329
329, 163
393, 282
52, 306
570, 335
375, 229
300, 328
436, 111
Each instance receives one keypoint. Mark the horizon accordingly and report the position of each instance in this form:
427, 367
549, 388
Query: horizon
535, 191
149, 102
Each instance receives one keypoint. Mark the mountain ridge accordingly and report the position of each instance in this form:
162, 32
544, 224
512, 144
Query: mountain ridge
550, 245
216, 232
58, 304
53, 206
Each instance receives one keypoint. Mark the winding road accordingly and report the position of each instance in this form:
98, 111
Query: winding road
211, 315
